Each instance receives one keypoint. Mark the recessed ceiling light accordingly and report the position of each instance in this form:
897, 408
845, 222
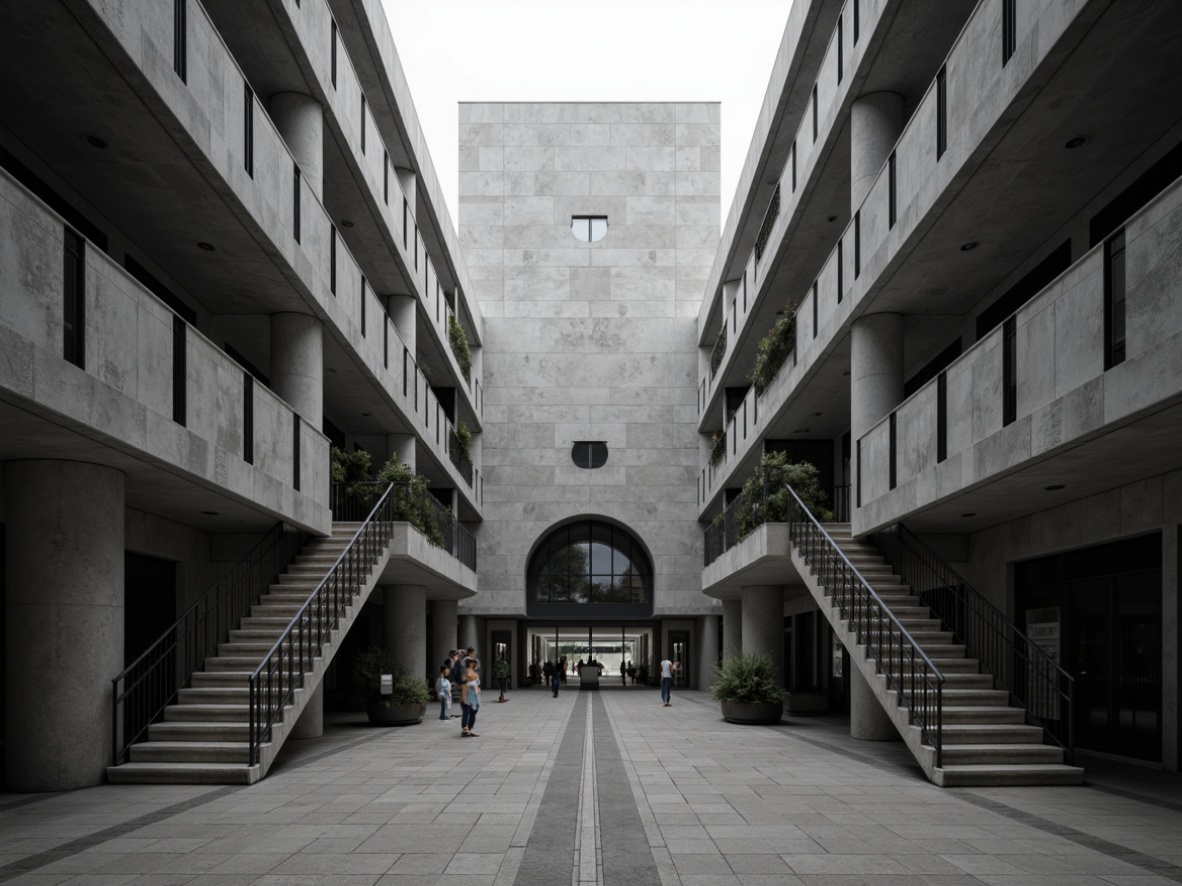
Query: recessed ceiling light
817, 413
779, 313
832, 218
802, 430
1076, 142
970, 514
211, 513
968, 247
846, 373
366, 414
208, 247
95, 141
1057, 486
345, 223
773, 180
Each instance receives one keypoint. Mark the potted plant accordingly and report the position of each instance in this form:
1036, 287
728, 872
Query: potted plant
501, 675
407, 703
747, 687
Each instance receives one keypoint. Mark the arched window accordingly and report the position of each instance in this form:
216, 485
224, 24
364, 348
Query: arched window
589, 569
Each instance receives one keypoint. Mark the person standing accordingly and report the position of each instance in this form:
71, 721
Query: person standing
666, 682
469, 699
443, 690
548, 671
555, 680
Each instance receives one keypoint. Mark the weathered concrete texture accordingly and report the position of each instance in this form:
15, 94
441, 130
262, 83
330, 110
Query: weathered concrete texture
708, 654
300, 120
311, 721
732, 626
876, 120
868, 720
443, 632
404, 620
297, 364
64, 620
763, 622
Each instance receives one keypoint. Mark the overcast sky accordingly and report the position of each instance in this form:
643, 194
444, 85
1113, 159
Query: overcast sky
601, 50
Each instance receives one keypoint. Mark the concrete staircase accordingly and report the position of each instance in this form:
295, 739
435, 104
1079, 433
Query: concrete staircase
986, 741
204, 738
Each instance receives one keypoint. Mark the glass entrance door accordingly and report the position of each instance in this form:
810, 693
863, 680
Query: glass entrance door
617, 651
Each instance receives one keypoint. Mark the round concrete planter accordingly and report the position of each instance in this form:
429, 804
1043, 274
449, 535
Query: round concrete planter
762, 714
396, 714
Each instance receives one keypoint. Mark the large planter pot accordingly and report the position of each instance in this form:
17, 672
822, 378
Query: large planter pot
395, 714
762, 714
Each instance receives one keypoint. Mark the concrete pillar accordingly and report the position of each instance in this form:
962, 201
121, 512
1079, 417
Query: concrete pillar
64, 620
876, 374
876, 122
311, 721
868, 720
732, 627
402, 445
709, 653
443, 631
300, 121
404, 313
763, 622
297, 364
470, 635
404, 618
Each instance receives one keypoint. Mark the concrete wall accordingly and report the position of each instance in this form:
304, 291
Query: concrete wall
589, 341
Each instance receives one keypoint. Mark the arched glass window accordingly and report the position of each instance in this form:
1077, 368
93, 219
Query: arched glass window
589, 563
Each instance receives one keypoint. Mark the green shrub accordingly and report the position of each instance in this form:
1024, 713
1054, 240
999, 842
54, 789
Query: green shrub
746, 678
464, 439
350, 467
773, 349
717, 447
366, 678
410, 499
500, 669
458, 340
765, 497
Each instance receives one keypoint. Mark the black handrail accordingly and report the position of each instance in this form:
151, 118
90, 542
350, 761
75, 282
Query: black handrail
917, 682
273, 683
459, 458
1033, 679
723, 532
150, 683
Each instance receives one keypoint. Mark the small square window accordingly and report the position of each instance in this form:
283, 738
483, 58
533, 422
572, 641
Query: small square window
589, 228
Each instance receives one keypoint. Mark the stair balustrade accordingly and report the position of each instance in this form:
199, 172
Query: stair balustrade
1033, 679
917, 683
150, 683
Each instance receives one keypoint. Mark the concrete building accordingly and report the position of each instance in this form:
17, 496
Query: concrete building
223, 251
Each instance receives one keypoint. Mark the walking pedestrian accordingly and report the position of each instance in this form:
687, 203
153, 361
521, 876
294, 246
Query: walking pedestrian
469, 699
667, 682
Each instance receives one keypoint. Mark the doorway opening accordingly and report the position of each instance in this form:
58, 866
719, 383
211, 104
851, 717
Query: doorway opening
623, 653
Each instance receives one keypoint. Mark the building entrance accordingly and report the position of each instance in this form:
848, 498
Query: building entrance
609, 646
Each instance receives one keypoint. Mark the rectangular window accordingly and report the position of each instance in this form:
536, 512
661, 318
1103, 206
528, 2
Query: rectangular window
332, 258
179, 370
892, 192
941, 112
840, 50
295, 452
248, 417
386, 344
405, 212
794, 166
857, 19
1009, 371
405, 359
180, 39
1009, 29
74, 299
857, 243
815, 112
840, 273
941, 417
363, 305
858, 469
386, 178
814, 309
1114, 301
744, 291
333, 61
894, 454
295, 203
363, 124
416, 247
248, 128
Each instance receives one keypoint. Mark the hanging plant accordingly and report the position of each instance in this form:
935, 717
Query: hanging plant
458, 340
463, 439
717, 447
773, 349
765, 497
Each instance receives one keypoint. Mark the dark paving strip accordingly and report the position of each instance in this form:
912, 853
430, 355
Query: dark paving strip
1097, 844
550, 853
1133, 795
21, 866
627, 858
35, 798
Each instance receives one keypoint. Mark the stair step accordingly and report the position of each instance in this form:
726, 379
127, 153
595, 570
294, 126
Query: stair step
246, 647
180, 730
191, 752
971, 775
232, 663
970, 697
214, 695
183, 773
214, 679
247, 635
1001, 754
981, 715
206, 713
990, 734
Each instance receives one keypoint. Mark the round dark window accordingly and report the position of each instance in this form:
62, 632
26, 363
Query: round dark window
589, 454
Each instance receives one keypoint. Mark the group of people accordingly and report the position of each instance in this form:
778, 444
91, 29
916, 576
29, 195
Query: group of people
461, 669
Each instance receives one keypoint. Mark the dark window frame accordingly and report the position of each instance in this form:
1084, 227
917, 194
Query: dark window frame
295, 202
180, 39
892, 191
815, 306
941, 112
248, 128
332, 258
1009, 30
333, 62
857, 244
840, 270
1115, 293
74, 298
1009, 371
295, 451
941, 417
840, 49
893, 449
180, 360
815, 114
589, 454
247, 417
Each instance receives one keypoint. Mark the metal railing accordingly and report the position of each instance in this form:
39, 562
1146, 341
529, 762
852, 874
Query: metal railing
841, 504
1034, 680
719, 350
918, 684
273, 683
769, 222
724, 531
458, 457
152, 681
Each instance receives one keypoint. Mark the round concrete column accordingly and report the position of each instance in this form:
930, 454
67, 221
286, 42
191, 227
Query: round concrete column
876, 121
405, 623
709, 654
404, 313
64, 620
763, 622
443, 632
300, 121
876, 372
311, 721
297, 364
470, 634
402, 445
868, 720
732, 627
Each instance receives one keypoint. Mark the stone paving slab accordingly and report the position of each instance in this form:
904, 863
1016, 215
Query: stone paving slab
681, 798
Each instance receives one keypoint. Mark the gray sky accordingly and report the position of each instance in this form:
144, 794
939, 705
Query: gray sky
603, 50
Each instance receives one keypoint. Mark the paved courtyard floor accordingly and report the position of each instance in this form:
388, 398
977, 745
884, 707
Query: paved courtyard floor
599, 788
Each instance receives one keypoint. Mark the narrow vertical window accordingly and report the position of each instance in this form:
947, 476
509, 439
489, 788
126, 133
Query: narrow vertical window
744, 291
894, 454
814, 309
840, 273
386, 178
295, 452
179, 370
857, 18
941, 417
1114, 301
74, 299
332, 258
416, 247
793, 166
858, 469
180, 39
1009, 371
405, 358
248, 417
363, 305
1009, 29
857, 243
363, 124
386, 344
892, 192
295, 203
941, 112
815, 112
248, 128
840, 50
333, 61
405, 212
